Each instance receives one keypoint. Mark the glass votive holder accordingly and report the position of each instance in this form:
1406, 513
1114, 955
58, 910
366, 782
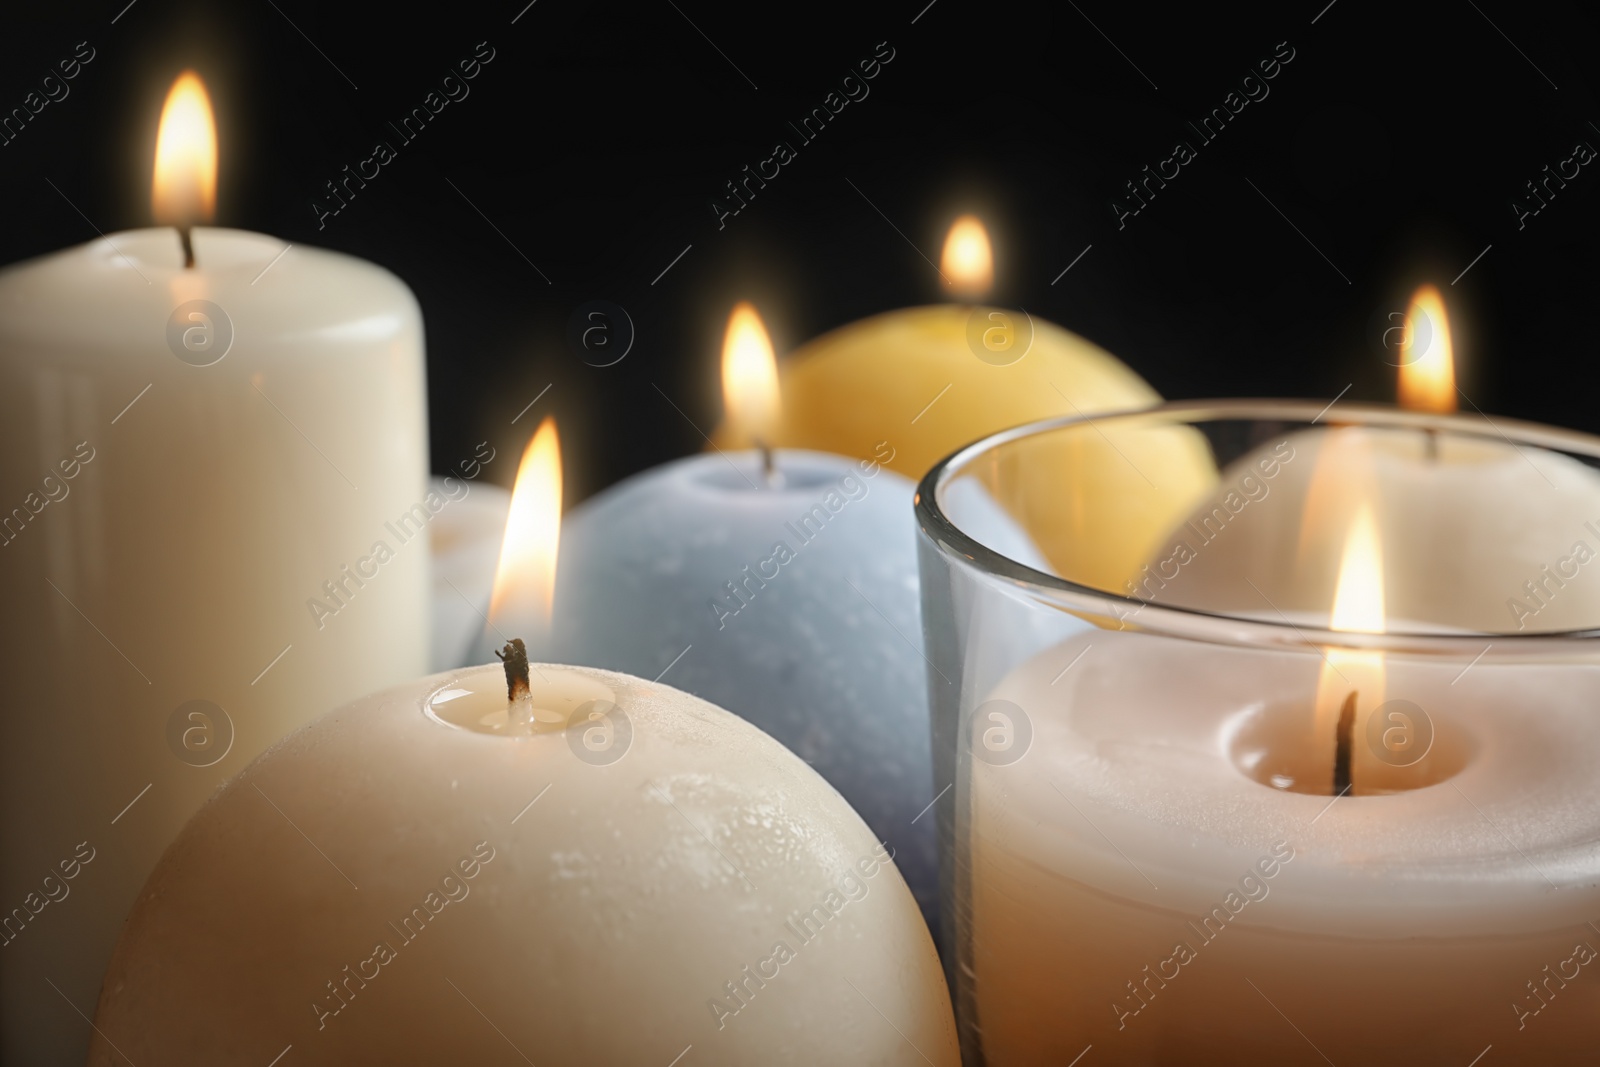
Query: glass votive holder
1271, 735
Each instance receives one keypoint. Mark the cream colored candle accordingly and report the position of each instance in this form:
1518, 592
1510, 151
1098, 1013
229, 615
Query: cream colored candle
1214, 853
1481, 535
1391, 930
213, 491
1136, 890
428, 876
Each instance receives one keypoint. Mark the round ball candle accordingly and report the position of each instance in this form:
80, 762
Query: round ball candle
796, 607
593, 869
210, 477
780, 585
932, 379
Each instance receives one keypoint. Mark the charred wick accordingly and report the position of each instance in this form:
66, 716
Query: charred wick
514, 656
1341, 755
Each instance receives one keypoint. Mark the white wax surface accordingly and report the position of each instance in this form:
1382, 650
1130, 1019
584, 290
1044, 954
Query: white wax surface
1127, 818
1461, 534
618, 900
824, 654
179, 563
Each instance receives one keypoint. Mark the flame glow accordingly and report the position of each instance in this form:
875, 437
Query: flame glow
749, 374
967, 262
1358, 607
1358, 598
1427, 357
184, 189
525, 580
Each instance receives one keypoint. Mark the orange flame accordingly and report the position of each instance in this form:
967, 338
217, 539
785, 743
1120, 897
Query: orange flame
184, 188
1358, 597
525, 580
1427, 357
750, 374
967, 262
1358, 607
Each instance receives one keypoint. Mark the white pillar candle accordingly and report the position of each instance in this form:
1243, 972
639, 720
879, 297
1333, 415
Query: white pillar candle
1133, 888
246, 533
415, 878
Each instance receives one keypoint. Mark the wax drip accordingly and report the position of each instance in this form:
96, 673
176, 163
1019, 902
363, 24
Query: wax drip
515, 658
186, 238
1430, 444
1341, 754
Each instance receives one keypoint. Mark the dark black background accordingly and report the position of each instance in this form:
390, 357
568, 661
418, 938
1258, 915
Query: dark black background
596, 138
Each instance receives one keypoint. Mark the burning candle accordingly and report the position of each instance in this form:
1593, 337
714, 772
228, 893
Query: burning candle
201, 466
931, 379
522, 596
581, 865
780, 584
1235, 819
1466, 504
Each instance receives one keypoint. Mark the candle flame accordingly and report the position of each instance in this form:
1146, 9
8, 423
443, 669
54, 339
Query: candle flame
525, 580
967, 262
184, 191
750, 374
1358, 597
1358, 607
1427, 358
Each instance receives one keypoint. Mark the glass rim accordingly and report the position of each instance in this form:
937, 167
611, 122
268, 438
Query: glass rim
1133, 614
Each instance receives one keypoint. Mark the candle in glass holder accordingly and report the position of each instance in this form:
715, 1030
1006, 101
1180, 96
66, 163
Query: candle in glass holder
1199, 833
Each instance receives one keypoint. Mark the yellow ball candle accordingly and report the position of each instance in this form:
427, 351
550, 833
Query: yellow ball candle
929, 380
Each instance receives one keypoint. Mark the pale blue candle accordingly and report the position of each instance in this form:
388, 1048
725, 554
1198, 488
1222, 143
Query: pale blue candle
790, 602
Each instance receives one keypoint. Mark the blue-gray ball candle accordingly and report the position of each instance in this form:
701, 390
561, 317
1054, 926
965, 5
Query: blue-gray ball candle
789, 598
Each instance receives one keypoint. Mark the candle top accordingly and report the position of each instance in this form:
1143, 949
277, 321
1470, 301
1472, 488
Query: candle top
271, 292
736, 478
476, 701
1144, 735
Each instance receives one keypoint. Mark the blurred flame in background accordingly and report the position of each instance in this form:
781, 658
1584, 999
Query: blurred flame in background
967, 262
750, 375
